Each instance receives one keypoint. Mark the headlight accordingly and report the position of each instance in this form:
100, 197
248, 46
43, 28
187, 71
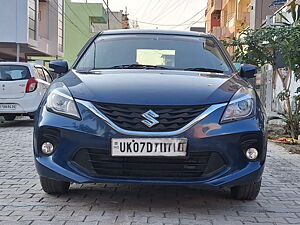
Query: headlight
60, 101
241, 106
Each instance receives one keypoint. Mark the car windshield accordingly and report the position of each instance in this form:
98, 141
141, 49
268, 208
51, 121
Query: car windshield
146, 51
12, 72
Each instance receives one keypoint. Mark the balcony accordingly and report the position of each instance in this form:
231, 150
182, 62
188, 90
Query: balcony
215, 6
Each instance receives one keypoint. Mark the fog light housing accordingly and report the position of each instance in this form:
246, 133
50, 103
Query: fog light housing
252, 153
47, 148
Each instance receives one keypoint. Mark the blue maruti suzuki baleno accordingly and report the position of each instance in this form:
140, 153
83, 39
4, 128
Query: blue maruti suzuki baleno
152, 107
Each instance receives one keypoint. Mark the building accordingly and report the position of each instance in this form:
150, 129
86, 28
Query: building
117, 20
227, 18
125, 21
31, 28
261, 10
213, 17
276, 19
82, 20
85, 19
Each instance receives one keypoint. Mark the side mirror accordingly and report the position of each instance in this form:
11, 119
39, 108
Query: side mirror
59, 66
248, 71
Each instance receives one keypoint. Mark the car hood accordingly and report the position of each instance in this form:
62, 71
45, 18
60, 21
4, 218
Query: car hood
149, 87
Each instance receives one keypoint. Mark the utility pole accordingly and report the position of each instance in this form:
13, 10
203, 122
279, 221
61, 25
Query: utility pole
107, 15
18, 52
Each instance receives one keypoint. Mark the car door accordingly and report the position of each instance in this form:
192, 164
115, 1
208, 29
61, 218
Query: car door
13, 80
43, 83
47, 76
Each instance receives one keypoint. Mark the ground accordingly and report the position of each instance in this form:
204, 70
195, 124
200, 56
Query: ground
23, 202
277, 132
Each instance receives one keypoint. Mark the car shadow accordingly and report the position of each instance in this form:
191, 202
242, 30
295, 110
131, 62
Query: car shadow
163, 197
17, 123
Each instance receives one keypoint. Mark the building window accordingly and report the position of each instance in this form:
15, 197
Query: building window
32, 19
217, 17
61, 25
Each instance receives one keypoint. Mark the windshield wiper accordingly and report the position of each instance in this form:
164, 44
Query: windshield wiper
200, 69
134, 66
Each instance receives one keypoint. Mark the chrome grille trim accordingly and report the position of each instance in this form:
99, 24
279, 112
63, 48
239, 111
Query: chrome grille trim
203, 115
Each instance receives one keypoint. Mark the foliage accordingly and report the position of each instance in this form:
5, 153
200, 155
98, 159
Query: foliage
266, 46
263, 46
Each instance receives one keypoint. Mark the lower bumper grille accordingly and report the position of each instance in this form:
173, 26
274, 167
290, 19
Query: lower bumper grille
99, 163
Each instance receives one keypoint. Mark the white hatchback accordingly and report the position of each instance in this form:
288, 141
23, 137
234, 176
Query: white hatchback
22, 87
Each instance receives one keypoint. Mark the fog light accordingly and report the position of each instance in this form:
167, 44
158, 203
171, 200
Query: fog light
251, 153
47, 148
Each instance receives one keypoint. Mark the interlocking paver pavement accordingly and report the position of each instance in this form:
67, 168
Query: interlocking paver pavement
23, 202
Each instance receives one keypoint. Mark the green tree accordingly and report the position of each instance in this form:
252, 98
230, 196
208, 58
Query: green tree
265, 46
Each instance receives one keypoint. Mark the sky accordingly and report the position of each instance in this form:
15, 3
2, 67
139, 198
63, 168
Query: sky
161, 14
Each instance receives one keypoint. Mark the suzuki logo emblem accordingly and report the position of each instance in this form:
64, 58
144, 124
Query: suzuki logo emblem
150, 118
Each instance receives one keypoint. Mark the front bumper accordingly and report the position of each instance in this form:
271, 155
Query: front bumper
229, 141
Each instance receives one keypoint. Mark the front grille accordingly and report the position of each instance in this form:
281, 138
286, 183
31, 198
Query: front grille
99, 163
130, 117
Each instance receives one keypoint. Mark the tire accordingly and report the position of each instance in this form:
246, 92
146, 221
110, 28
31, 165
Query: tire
54, 186
10, 117
246, 192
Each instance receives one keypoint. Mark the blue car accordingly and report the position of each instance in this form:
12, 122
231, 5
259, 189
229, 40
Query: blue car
151, 107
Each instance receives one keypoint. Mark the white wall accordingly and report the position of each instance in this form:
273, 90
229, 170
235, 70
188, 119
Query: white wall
14, 21
14, 25
48, 28
277, 105
278, 87
44, 22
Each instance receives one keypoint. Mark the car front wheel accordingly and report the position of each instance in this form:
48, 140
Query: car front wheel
246, 192
9, 117
54, 186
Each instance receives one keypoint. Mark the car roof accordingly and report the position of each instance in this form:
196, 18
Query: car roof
21, 64
155, 31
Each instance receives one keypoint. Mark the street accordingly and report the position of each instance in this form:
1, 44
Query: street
23, 202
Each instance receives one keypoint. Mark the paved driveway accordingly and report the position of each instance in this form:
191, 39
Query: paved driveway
23, 202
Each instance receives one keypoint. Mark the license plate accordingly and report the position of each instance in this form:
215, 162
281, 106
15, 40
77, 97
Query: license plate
149, 147
8, 107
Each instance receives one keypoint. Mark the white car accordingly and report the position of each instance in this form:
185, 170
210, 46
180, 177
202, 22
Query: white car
22, 87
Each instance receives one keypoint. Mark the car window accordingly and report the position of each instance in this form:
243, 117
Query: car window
40, 73
47, 76
87, 61
12, 72
169, 51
